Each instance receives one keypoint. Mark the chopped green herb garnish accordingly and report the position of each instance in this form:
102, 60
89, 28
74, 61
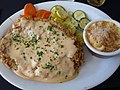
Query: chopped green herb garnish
54, 58
49, 28
47, 39
34, 68
61, 52
15, 45
46, 50
51, 51
54, 32
62, 46
17, 38
48, 65
20, 39
39, 59
33, 49
51, 59
34, 39
23, 53
59, 72
57, 39
24, 57
27, 44
62, 34
56, 53
66, 76
17, 48
15, 68
47, 45
58, 34
39, 53
37, 47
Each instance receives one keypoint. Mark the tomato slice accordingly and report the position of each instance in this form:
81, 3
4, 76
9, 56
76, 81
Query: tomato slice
40, 13
43, 14
29, 10
46, 15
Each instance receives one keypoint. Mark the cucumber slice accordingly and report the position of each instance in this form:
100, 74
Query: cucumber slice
55, 8
83, 22
78, 14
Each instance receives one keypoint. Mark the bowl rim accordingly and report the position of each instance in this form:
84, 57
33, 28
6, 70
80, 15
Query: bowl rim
91, 47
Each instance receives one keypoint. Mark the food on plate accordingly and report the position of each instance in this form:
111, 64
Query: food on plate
39, 47
83, 22
43, 14
31, 12
104, 36
59, 11
76, 20
41, 50
79, 14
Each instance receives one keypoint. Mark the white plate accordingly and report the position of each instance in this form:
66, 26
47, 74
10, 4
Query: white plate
93, 72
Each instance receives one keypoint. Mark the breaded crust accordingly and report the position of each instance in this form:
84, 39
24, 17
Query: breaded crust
5, 42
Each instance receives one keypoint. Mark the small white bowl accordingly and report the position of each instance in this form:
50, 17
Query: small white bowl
91, 47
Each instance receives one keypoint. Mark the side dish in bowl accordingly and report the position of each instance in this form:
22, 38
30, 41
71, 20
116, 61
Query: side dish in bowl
103, 37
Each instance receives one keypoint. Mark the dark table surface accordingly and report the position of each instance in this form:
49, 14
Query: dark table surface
111, 7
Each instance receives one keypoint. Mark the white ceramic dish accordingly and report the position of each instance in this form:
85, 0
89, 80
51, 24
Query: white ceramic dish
93, 72
92, 48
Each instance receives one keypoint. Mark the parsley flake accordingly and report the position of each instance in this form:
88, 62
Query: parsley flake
49, 28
